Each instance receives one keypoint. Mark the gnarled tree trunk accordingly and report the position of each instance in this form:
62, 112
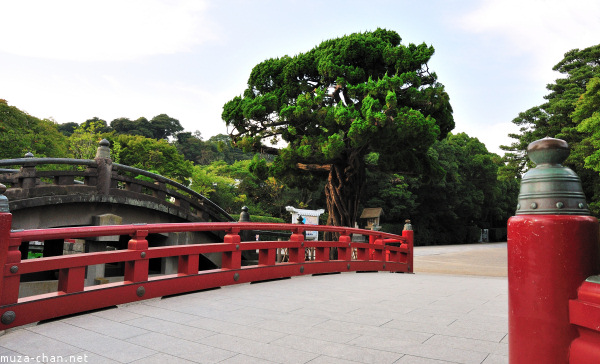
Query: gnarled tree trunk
343, 190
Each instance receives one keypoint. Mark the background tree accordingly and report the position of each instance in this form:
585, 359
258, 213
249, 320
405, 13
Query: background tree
587, 115
21, 133
555, 118
141, 126
164, 126
100, 125
227, 151
334, 105
83, 142
153, 155
195, 149
454, 204
67, 128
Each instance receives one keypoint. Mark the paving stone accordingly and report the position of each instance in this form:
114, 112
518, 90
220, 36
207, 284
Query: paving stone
473, 333
104, 326
185, 349
169, 328
445, 353
468, 344
7, 352
276, 353
340, 351
162, 358
496, 359
160, 313
91, 341
116, 314
245, 359
26, 342
375, 331
323, 359
409, 359
92, 358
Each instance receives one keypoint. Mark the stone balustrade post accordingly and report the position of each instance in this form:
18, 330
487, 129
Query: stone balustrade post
27, 175
104, 169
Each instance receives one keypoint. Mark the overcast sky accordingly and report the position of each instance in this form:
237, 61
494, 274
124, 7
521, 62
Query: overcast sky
71, 60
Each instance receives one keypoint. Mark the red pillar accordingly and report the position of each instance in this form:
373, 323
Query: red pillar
409, 234
5, 225
549, 256
552, 249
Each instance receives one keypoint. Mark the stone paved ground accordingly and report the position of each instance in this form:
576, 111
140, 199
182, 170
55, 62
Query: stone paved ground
422, 318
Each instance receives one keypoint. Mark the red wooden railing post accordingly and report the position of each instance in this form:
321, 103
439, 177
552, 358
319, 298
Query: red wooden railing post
137, 270
345, 247
232, 259
267, 256
188, 264
377, 254
71, 279
10, 255
322, 253
12, 278
409, 234
296, 254
552, 249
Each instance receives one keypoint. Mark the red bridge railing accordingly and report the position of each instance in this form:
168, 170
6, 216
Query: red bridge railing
73, 297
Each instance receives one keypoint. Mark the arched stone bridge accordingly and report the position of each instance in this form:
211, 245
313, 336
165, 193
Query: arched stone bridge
65, 192
42, 196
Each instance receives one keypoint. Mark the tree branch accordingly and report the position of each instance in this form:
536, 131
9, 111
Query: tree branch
314, 167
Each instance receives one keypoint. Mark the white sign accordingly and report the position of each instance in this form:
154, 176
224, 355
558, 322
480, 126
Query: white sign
309, 217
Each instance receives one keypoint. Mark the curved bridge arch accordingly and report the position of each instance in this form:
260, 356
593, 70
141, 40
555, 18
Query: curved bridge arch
71, 196
64, 192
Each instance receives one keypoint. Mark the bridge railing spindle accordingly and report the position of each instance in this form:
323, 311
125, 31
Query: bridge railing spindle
345, 248
10, 256
71, 280
137, 270
232, 259
267, 256
297, 253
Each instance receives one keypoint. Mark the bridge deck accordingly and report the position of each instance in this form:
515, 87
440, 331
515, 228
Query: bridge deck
344, 318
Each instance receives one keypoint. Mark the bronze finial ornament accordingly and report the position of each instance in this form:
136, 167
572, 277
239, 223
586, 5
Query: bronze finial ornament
550, 188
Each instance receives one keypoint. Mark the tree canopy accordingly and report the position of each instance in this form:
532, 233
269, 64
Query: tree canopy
467, 196
159, 127
21, 133
364, 95
558, 118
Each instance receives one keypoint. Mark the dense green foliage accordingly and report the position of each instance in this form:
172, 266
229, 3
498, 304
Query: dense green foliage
21, 133
558, 118
153, 155
160, 127
335, 105
216, 148
587, 115
452, 205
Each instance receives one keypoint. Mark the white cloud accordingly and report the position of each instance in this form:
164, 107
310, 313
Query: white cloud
108, 30
544, 29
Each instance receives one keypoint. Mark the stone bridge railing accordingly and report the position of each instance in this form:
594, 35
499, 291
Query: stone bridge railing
101, 177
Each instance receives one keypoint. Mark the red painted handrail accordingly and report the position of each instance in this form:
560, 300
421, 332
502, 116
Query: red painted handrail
72, 296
